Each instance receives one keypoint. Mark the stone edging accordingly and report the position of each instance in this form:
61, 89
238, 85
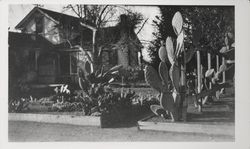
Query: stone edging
60, 119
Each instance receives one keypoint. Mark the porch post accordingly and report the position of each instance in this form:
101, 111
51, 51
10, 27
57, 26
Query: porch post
209, 66
199, 79
217, 69
224, 73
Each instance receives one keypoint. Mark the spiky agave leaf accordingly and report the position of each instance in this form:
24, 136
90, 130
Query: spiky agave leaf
83, 85
170, 50
87, 67
222, 68
81, 72
152, 78
163, 54
163, 71
113, 69
177, 23
174, 74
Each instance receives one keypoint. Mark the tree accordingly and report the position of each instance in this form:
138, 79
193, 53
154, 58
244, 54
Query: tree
205, 26
94, 17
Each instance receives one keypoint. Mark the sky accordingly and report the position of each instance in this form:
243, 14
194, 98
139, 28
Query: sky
18, 11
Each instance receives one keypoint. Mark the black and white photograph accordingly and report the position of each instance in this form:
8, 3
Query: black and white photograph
82, 72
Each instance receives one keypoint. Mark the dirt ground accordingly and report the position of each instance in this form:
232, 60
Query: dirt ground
43, 132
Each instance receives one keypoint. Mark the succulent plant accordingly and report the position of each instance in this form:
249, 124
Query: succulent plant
169, 100
159, 82
89, 78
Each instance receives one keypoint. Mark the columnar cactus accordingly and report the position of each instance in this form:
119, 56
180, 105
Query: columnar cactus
169, 100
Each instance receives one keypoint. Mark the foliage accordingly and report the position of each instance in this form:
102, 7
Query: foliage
170, 101
19, 105
95, 17
95, 86
131, 74
205, 26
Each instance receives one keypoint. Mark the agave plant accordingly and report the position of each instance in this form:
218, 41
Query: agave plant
90, 81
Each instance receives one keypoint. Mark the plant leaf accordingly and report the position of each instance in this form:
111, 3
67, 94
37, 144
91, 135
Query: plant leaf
152, 78
174, 74
177, 23
163, 54
163, 71
170, 50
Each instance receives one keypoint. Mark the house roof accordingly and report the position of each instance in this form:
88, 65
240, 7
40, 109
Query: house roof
28, 40
105, 36
52, 15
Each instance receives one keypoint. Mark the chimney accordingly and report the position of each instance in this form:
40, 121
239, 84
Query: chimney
124, 20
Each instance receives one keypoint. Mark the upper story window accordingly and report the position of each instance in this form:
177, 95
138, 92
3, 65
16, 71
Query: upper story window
39, 24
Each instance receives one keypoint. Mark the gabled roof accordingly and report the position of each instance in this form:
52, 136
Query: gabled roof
52, 15
105, 36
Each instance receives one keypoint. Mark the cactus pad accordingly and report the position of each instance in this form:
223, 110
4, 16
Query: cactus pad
177, 23
170, 50
163, 54
152, 78
179, 44
87, 67
174, 74
163, 71
167, 101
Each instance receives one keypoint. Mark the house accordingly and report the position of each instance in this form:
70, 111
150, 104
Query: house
44, 47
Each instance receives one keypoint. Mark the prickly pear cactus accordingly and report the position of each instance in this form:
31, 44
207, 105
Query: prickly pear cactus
152, 78
163, 54
163, 72
169, 100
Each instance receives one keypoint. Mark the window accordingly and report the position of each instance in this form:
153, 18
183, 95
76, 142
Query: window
39, 24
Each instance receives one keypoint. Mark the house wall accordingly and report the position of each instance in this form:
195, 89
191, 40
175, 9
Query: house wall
51, 32
31, 27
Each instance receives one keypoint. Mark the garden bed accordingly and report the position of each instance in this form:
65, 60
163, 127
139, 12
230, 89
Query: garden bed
42, 113
216, 119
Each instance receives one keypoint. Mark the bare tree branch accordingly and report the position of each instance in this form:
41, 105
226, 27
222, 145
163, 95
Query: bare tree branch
88, 26
142, 26
99, 21
73, 9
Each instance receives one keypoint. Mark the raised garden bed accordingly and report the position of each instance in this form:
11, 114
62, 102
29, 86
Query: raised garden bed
216, 119
43, 113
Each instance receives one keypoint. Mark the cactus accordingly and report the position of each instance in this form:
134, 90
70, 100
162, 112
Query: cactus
87, 78
162, 54
170, 50
174, 74
159, 82
180, 44
163, 72
152, 78
169, 101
